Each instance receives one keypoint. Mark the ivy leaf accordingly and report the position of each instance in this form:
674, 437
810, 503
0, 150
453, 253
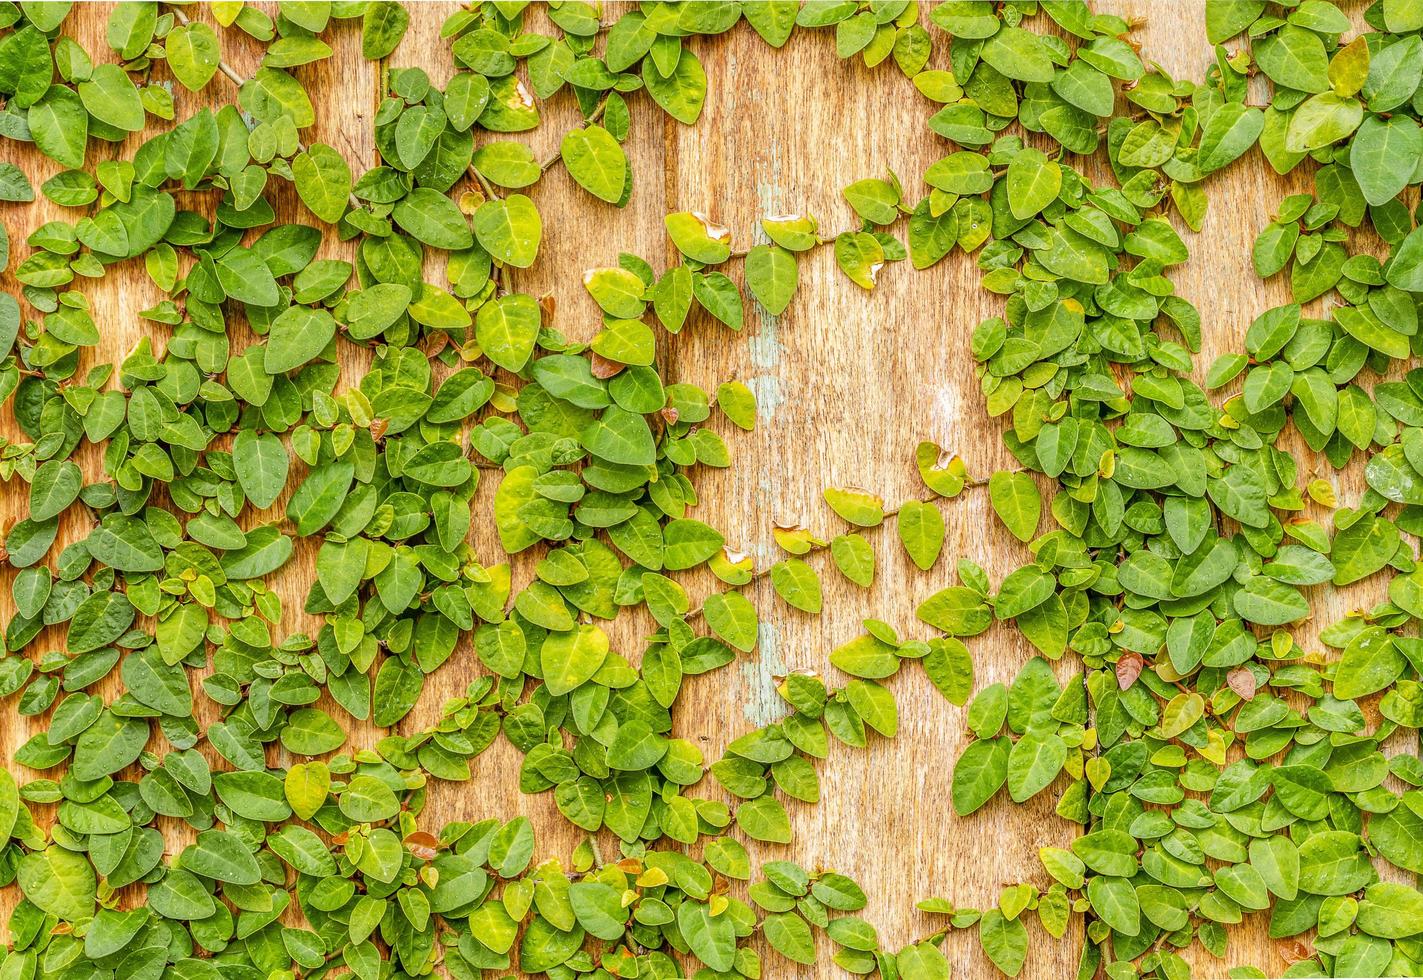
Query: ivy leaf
572, 658
1016, 501
323, 181
683, 92
596, 161
1379, 155
790, 936
509, 229
979, 772
59, 124
194, 52
435, 220
1033, 182
1004, 940
382, 28
798, 584
507, 329
59, 882
712, 938
297, 335
771, 275
921, 531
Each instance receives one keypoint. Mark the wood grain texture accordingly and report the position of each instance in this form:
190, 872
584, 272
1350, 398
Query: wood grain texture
848, 384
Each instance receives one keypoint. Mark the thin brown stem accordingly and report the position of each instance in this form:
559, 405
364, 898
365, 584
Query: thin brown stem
557, 157
237, 80
819, 546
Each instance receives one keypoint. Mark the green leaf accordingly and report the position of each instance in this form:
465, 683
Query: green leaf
434, 219
620, 436
367, 799
1231, 130
682, 93
860, 256
262, 465
1034, 182
698, 238
598, 909
1379, 156
1370, 663
297, 335
1323, 119
712, 938
507, 329
854, 558
876, 201
1016, 501
921, 531
59, 882
1294, 58
110, 96
618, 292
790, 936
509, 229
382, 28
798, 584
59, 125
1391, 910
108, 745
1332, 863
979, 772
771, 275
194, 52
1005, 941
1019, 54
1363, 548
222, 856
306, 787
764, 819
1034, 763
922, 961
572, 658
596, 161
732, 617
858, 507
323, 181
316, 502
55, 486
1116, 902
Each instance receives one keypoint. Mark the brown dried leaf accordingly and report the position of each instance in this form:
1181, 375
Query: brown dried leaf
423, 845
604, 368
1129, 669
1292, 950
1242, 682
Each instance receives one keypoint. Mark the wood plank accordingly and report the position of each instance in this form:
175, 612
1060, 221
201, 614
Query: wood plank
849, 383
116, 300
579, 232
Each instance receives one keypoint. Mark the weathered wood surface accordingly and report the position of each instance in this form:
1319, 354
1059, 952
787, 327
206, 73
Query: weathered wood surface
848, 384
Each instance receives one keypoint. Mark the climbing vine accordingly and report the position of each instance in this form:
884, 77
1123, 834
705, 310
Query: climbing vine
1217, 768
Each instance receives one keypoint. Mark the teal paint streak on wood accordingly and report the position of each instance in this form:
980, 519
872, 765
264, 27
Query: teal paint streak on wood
763, 705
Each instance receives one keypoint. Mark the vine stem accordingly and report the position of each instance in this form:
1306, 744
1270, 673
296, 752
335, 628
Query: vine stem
547, 164
820, 546
557, 156
820, 242
238, 81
